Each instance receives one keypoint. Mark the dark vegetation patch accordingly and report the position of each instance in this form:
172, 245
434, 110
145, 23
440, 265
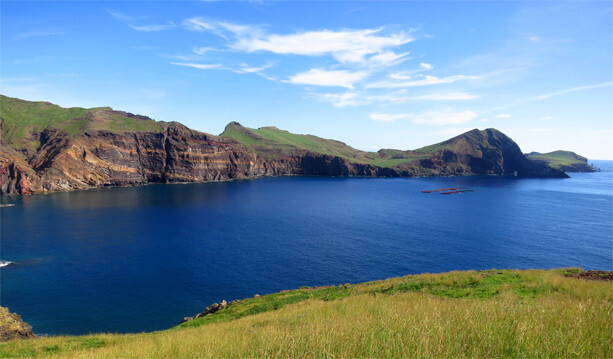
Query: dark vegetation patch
592, 275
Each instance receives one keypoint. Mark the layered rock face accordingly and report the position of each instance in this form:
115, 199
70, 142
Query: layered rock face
179, 154
315, 164
16, 175
103, 147
100, 158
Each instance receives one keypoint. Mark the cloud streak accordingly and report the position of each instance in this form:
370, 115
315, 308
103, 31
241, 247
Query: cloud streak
199, 66
451, 96
388, 117
349, 46
569, 90
152, 28
443, 117
38, 32
425, 81
333, 78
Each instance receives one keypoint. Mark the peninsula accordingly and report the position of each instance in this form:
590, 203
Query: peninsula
44, 147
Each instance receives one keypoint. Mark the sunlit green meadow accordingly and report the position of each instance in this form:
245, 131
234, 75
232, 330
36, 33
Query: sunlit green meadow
506, 313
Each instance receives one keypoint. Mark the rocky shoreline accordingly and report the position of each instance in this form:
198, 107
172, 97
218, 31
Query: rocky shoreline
117, 148
13, 327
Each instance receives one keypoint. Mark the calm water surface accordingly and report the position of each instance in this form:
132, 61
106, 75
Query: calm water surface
140, 259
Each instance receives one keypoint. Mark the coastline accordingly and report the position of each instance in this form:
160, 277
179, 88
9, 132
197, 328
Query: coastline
504, 299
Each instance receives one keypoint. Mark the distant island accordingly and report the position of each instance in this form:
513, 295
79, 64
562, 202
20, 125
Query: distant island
44, 147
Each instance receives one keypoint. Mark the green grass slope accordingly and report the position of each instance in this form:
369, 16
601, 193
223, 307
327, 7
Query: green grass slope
485, 314
467, 142
561, 160
272, 142
22, 121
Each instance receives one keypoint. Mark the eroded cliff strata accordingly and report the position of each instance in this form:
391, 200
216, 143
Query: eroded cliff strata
114, 148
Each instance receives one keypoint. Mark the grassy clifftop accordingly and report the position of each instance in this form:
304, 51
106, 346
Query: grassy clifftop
563, 160
273, 142
496, 313
22, 121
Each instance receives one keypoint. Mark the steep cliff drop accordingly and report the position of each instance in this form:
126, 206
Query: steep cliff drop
45, 147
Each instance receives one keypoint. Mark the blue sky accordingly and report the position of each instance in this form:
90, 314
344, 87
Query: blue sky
371, 74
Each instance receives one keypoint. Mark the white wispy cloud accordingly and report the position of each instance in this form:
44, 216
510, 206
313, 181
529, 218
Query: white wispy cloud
388, 117
130, 19
569, 90
321, 77
424, 81
503, 115
404, 75
221, 28
443, 117
151, 28
546, 118
340, 100
361, 54
364, 46
244, 68
357, 98
204, 49
199, 66
37, 32
451, 96
426, 66
348, 46
123, 17
386, 59
546, 96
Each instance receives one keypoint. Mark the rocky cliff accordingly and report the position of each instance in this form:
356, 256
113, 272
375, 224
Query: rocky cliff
489, 152
47, 148
12, 327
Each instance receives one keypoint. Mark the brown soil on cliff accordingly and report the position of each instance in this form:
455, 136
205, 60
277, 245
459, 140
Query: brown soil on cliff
593, 275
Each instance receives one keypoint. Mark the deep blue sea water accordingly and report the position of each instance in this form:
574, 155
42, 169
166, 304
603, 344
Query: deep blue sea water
141, 259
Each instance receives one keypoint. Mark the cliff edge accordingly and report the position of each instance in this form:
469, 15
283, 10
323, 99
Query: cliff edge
44, 147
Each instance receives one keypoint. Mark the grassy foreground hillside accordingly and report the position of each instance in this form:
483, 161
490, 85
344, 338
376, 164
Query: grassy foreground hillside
496, 313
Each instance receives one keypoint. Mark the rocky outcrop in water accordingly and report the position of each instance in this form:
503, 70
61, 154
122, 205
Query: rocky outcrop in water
12, 327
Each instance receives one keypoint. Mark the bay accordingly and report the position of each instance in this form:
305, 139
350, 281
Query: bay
142, 258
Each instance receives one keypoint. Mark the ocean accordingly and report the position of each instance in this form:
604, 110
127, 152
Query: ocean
141, 258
